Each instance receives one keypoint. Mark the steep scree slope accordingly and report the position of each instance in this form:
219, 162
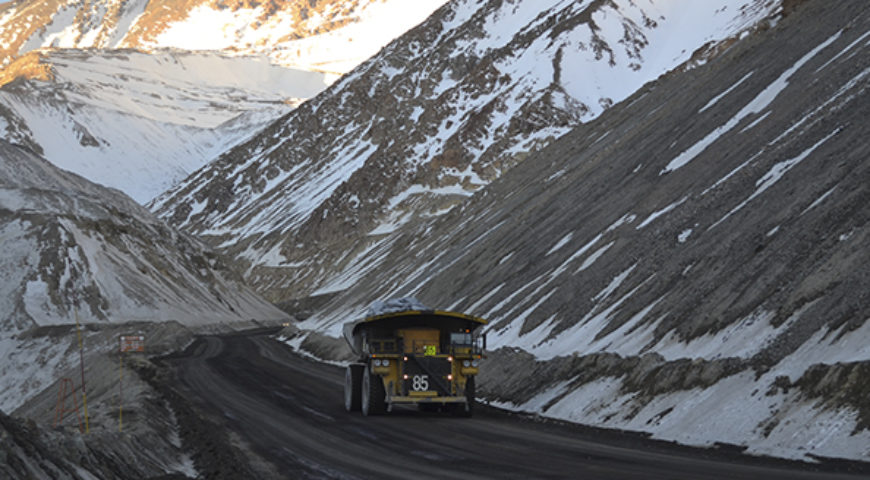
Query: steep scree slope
433, 118
691, 264
68, 242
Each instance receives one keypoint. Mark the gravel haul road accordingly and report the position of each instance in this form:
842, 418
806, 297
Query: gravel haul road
289, 412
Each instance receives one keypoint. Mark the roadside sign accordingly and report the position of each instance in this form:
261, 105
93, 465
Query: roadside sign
129, 343
132, 343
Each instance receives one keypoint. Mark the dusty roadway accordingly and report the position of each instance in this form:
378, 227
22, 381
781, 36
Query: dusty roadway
290, 411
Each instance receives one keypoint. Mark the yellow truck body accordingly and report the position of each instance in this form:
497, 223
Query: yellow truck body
425, 357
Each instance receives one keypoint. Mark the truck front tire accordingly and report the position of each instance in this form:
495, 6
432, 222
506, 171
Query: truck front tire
373, 394
353, 386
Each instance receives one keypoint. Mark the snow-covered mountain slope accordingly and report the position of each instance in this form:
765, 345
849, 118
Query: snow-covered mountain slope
70, 244
141, 122
434, 117
85, 98
320, 35
691, 264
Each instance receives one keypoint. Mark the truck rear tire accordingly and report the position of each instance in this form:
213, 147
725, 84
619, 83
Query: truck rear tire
373, 394
353, 386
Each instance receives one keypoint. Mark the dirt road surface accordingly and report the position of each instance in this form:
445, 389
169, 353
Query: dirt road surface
289, 411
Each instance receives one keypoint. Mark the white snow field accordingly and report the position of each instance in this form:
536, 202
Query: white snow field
142, 122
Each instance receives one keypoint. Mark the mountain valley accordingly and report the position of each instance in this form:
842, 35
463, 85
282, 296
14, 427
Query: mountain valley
660, 207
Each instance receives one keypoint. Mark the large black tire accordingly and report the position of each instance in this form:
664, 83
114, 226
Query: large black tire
466, 410
353, 387
373, 394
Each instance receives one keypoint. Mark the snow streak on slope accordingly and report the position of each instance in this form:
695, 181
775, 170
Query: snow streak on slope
140, 122
758, 104
734, 284
430, 120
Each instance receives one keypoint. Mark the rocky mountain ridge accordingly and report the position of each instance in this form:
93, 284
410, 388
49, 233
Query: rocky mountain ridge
430, 120
330, 36
141, 122
74, 248
137, 94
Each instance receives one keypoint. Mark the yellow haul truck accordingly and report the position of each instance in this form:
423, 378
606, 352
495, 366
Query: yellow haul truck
427, 358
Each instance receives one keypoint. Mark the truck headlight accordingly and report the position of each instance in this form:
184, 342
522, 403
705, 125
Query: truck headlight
377, 362
475, 363
466, 363
385, 362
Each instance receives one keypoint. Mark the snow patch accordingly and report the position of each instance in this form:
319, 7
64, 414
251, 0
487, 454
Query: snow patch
758, 104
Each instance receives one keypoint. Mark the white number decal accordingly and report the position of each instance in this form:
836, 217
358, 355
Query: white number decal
421, 383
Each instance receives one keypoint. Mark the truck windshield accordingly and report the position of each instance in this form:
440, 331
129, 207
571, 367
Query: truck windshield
461, 339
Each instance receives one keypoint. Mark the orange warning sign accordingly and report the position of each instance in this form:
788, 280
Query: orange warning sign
132, 343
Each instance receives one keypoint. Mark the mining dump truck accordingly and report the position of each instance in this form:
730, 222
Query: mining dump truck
427, 358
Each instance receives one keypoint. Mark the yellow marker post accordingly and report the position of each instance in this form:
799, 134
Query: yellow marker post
129, 343
82, 365
120, 394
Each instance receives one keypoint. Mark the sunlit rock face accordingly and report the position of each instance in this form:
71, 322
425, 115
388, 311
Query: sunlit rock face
330, 36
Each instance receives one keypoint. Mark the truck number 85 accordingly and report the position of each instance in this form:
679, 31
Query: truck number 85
420, 383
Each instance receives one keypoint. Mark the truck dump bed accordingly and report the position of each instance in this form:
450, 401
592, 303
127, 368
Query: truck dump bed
388, 325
